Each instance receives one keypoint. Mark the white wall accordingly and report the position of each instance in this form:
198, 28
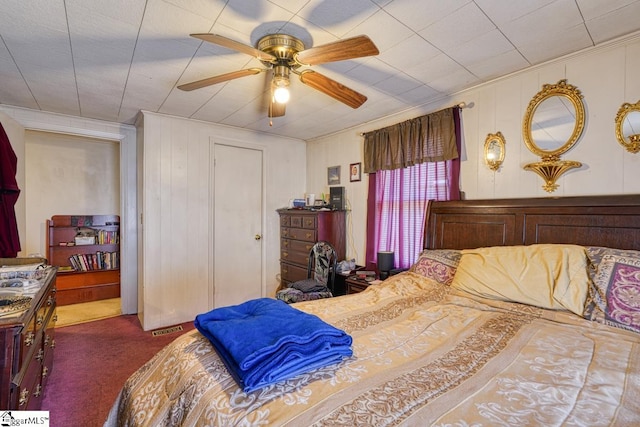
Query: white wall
176, 206
606, 76
68, 175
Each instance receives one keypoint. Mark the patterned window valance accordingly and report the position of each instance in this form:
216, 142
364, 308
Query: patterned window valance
429, 138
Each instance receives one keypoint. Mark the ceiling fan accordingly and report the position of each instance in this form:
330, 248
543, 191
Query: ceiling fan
284, 54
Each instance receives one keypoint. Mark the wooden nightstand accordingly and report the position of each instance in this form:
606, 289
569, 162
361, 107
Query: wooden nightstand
355, 285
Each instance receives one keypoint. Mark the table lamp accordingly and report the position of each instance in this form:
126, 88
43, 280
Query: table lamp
386, 263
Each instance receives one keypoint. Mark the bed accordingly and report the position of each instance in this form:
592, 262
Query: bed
430, 348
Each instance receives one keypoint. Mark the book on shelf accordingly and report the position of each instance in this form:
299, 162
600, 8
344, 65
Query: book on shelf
96, 261
106, 237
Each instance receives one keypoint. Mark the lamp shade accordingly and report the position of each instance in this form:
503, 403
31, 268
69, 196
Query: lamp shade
386, 261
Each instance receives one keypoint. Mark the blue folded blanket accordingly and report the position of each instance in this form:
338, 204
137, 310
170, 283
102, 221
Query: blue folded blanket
264, 341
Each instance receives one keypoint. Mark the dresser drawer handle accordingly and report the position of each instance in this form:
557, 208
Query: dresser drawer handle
38, 391
309, 247
309, 235
28, 339
45, 372
50, 300
39, 320
40, 355
285, 254
53, 344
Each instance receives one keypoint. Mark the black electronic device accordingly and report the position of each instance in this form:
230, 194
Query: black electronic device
337, 199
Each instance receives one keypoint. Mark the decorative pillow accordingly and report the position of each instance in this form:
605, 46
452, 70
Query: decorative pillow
598, 290
551, 276
617, 286
437, 264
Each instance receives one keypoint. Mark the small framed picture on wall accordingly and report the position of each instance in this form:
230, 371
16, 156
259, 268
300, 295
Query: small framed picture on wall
355, 172
333, 175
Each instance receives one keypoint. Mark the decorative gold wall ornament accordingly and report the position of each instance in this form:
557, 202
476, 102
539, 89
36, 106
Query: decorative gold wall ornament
628, 126
553, 123
494, 149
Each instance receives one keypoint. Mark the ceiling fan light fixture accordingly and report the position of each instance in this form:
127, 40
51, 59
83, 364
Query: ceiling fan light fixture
283, 54
281, 84
281, 95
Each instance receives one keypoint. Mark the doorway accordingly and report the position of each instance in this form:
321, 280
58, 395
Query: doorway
238, 216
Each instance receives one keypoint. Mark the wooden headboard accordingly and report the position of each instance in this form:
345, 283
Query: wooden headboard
611, 221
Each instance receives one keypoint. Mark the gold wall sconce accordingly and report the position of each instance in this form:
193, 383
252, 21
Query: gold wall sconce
553, 123
628, 126
494, 149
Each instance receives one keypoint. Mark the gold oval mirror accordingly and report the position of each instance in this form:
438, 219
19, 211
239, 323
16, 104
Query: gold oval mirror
553, 123
628, 126
554, 120
494, 148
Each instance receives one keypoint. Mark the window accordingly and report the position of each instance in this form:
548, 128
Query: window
409, 164
401, 197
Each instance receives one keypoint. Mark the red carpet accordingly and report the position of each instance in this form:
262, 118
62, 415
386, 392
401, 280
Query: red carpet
92, 362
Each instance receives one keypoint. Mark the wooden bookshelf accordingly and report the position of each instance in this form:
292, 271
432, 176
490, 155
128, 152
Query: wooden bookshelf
86, 250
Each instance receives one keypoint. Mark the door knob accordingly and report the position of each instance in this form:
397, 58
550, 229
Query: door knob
257, 237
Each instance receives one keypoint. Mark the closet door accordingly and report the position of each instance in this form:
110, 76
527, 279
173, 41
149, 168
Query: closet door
238, 215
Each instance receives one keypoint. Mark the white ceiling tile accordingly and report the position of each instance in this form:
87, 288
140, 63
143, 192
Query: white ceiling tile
125, 12
453, 82
433, 68
610, 25
494, 66
411, 52
109, 59
253, 19
481, 48
592, 9
292, 6
14, 89
397, 83
338, 16
502, 12
208, 9
419, 15
395, 30
555, 44
371, 72
419, 95
459, 27
552, 18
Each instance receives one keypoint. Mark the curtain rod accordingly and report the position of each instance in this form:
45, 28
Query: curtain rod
459, 105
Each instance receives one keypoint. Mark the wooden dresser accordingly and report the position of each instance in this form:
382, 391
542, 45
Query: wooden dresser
26, 346
299, 230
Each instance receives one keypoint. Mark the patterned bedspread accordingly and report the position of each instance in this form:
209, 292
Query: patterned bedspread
423, 355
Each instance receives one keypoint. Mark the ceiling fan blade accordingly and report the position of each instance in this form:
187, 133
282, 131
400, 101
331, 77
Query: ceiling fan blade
355, 47
332, 88
219, 79
232, 44
276, 109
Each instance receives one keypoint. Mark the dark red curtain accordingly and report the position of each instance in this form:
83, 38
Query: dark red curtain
9, 193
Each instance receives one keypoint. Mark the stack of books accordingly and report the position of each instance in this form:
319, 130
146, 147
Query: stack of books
98, 261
